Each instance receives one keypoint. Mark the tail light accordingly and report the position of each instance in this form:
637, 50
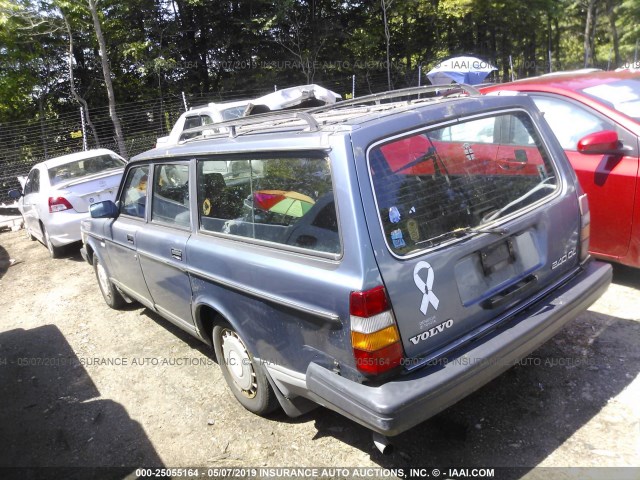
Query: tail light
58, 204
585, 226
374, 333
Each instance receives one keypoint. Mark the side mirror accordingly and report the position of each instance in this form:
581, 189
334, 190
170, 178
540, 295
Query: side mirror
106, 209
15, 194
605, 142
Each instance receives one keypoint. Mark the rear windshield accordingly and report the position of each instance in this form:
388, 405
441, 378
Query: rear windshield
83, 168
436, 186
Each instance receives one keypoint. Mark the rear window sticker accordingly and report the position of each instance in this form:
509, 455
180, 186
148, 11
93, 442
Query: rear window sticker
394, 215
414, 230
397, 239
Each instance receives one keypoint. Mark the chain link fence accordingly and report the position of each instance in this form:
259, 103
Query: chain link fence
25, 143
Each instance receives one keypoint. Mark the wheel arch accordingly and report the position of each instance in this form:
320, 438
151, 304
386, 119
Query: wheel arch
94, 250
207, 313
207, 316
90, 252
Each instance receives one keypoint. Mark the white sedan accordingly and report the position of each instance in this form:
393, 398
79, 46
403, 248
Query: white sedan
57, 194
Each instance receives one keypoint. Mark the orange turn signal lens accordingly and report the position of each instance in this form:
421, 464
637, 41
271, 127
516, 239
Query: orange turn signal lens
370, 342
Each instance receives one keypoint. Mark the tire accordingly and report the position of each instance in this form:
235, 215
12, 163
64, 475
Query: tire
110, 293
54, 252
245, 378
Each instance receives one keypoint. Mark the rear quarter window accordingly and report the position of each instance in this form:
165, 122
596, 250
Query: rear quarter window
437, 185
284, 200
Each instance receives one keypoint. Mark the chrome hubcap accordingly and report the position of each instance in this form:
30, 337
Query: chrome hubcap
238, 363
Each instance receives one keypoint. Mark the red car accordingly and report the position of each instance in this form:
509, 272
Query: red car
596, 118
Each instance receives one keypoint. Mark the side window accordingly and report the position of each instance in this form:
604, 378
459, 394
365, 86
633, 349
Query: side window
503, 130
560, 113
511, 131
30, 186
194, 122
36, 181
27, 186
134, 195
171, 195
286, 200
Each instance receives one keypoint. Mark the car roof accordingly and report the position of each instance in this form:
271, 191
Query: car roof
73, 157
573, 81
573, 85
310, 129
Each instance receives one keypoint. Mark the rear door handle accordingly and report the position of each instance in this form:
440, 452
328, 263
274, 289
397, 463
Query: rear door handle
176, 253
130, 238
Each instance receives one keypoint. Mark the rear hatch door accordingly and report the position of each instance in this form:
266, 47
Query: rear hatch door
470, 220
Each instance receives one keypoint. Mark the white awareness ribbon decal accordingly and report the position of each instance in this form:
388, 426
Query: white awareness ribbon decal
428, 297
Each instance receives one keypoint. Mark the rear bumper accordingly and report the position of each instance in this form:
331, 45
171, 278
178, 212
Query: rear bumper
408, 400
64, 227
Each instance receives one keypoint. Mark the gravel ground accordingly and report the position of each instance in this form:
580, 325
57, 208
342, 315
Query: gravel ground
84, 385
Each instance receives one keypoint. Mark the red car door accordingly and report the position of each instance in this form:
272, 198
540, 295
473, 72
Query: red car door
609, 180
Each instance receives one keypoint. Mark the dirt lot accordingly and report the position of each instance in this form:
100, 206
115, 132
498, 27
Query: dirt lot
162, 399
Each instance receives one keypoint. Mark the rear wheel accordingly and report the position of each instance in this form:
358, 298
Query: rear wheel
245, 378
110, 293
54, 252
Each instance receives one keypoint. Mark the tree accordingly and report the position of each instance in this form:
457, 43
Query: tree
611, 13
628, 14
226, 49
106, 71
72, 87
588, 33
386, 4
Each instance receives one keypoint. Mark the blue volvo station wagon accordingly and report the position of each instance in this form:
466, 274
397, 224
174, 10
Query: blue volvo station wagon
382, 257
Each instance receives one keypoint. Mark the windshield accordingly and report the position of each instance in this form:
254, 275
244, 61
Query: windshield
84, 168
623, 96
444, 184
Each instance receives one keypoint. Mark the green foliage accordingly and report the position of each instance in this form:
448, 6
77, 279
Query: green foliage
224, 49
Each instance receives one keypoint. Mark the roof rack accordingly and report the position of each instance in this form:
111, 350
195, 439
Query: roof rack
229, 127
403, 92
306, 118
